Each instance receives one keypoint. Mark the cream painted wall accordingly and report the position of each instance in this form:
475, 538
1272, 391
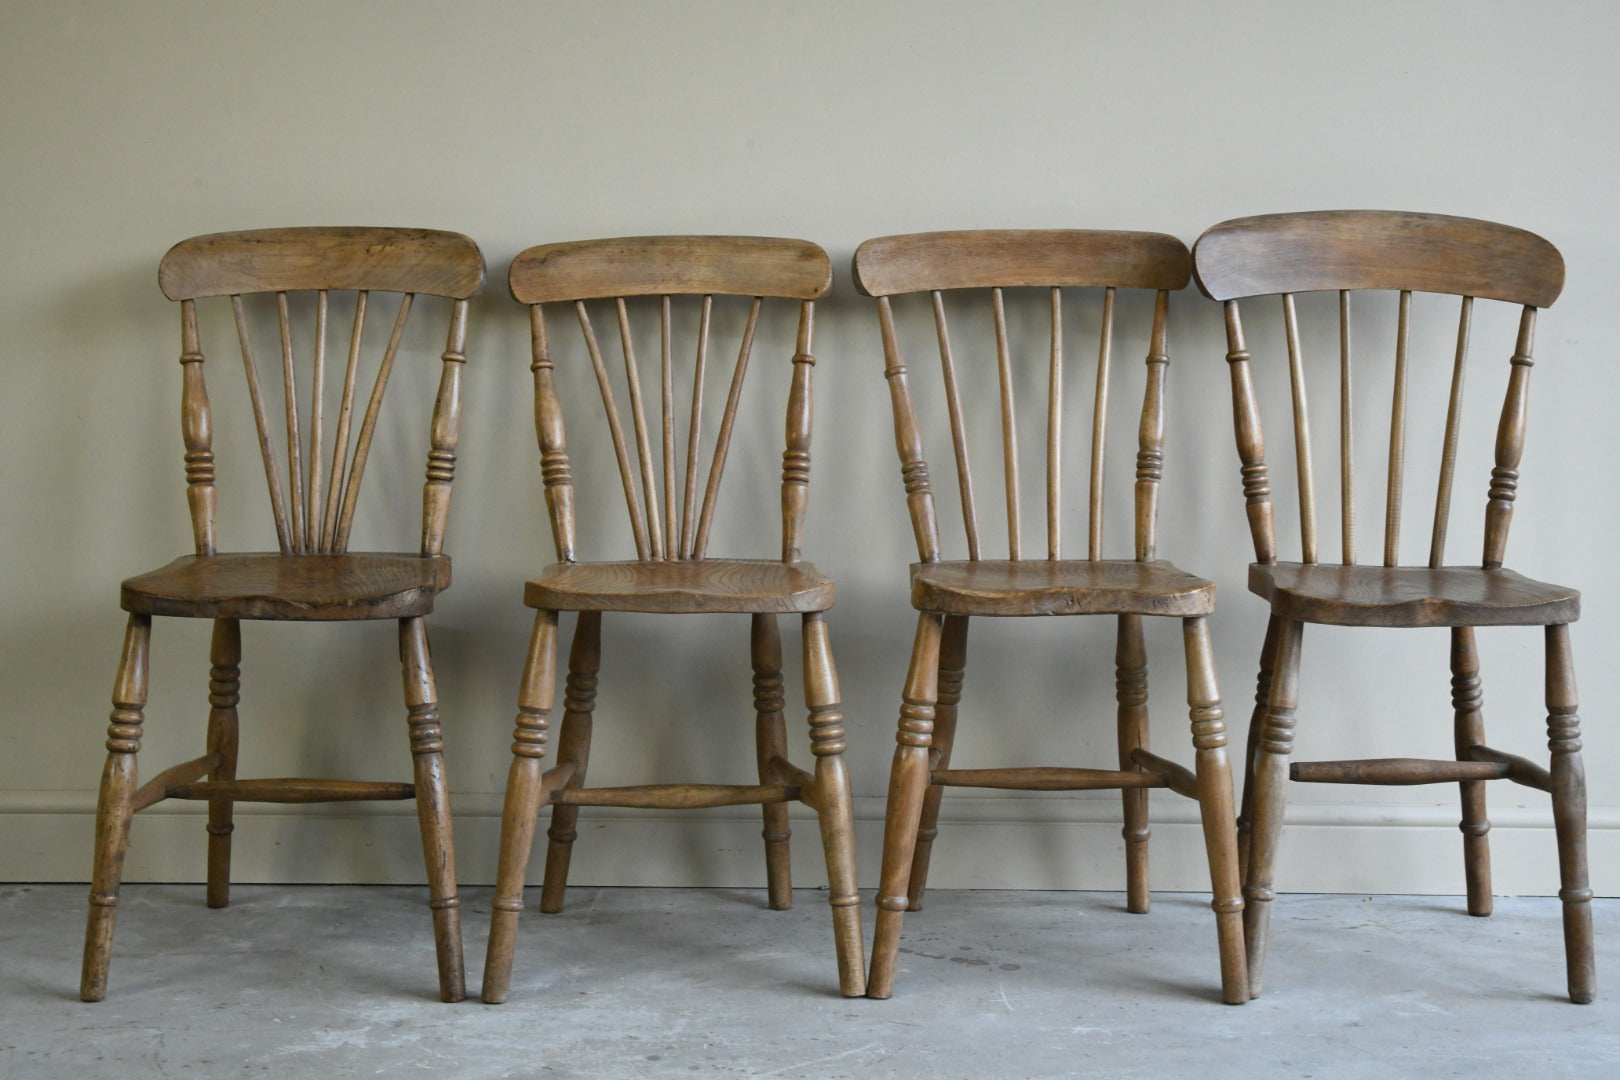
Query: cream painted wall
128, 127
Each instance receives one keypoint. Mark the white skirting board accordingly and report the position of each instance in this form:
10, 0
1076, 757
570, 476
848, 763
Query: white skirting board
985, 842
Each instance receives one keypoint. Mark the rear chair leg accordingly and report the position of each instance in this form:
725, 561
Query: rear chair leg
1131, 693
952, 667
834, 803
224, 686
1215, 805
1569, 815
433, 804
1270, 797
1466, 700
1257, 720
770, 744
113, 808
908, 783
524, 790
573, 746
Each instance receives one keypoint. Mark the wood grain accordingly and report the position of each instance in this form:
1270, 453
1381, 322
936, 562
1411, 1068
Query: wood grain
981, 259
1375, 249
266, 585
426, 261
712, 585
684, 265
1411, 596
1066, 587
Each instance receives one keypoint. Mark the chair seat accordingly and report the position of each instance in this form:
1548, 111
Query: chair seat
305, 588
1411, 596
709, 585
1059, 587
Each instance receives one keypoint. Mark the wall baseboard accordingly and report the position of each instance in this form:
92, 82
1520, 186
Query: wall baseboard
985, 842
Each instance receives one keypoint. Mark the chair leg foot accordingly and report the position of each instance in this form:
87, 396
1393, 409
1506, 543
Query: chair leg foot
433, 805
114, 805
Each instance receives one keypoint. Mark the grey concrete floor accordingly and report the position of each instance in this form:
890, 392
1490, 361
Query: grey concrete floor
339, 982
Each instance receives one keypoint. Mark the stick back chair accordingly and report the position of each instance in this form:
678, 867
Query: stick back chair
673, 572
1349, 252
313, 576
948, 593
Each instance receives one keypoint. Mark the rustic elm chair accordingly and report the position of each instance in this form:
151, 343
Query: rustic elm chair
1350, 251
673, 572
313, 576
948, 593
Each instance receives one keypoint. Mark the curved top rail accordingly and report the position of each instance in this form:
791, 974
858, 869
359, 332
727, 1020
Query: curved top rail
987, 258
426, 261
678, 265
1376, 249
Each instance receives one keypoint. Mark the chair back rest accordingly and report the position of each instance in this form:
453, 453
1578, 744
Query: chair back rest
694, 269
314, 508
991, 262
1356, 250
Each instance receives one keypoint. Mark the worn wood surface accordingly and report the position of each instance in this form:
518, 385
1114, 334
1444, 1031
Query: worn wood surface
1373, 249
1411, 596
264, 585
680, 265
712, 585
1070, 587
982, 259
323, 257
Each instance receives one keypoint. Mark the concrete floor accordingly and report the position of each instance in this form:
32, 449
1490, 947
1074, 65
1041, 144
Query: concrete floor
339, 982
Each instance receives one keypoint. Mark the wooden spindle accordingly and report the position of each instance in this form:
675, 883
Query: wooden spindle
295, 468
548, 428
272, 475
1150, 434
340, 442
615, 429
312, 512
1251, 443
666, 370
444, 435
694, 432
1347, 468
638, 417
1302, 432
908, 440
722, 443
796, 457
1510, 444
1054, 435
1099, 427
1397, 437
1009, 424
368, 427
953, 401
1448, 453
197, 430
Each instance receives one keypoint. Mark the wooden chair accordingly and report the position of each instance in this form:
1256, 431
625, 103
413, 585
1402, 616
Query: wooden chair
949, 593
673, 572
313, 576
1285, 254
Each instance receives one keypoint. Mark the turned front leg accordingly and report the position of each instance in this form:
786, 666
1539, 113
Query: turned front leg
524, 790
573, 749
908, 783
834, 803
1214, 774
224, 691
770, 746
113, 806
1270, 798
1469, 725
433, 805
952, 667
1131, 697
1257, 721
1569, 815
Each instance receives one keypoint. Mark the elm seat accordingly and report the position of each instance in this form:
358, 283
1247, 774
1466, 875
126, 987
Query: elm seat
1059, 587
302, 588
740, 586
1411, 596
